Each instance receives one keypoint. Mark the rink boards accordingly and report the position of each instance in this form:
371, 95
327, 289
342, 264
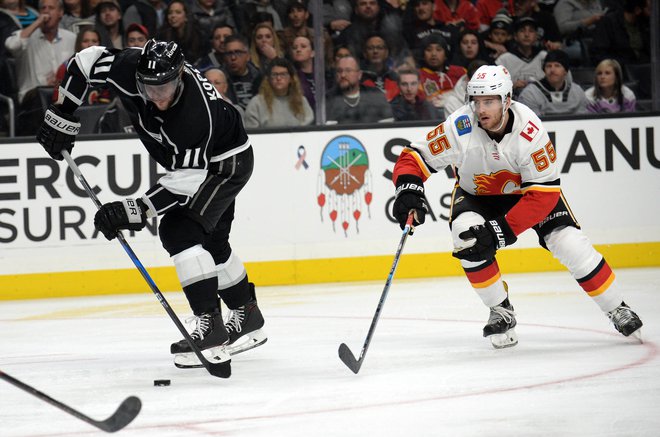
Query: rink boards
317, 209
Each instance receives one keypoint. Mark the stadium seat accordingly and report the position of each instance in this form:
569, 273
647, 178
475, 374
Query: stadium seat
583, 76
640, 73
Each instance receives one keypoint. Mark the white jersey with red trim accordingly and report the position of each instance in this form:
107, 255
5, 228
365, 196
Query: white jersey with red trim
523, 160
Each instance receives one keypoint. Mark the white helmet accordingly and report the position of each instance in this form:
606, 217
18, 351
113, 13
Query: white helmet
490, 80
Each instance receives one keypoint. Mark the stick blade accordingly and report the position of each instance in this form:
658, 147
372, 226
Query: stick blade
221, 370
348, 358
124, 415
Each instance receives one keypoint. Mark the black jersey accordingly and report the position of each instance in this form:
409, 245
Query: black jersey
198, 129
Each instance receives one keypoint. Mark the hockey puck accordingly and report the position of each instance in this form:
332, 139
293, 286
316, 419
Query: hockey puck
161, 382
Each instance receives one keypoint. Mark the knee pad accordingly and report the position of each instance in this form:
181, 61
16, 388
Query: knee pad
574, 250
193, 265
462, 223
231, 272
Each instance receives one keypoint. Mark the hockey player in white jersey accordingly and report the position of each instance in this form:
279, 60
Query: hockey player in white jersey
507, 181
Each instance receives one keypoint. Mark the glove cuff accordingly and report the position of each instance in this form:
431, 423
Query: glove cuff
135, 211
503, 235
409, 183
65, 123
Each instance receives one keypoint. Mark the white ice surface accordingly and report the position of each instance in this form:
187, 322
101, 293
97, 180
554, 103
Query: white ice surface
428, 371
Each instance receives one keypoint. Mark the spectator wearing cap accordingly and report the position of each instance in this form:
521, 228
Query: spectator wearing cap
136, 35
215, 58
460, 13
208, 13
351, 102
547, 25
423, 24
297, 17
436, 75
489, 8
377, 66
524, 60
149, 13
109, 24
497, 37
181, 28
409, 105
555, 93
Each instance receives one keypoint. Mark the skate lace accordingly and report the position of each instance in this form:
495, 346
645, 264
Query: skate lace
620, 316
499, 312
203, 324
236, 318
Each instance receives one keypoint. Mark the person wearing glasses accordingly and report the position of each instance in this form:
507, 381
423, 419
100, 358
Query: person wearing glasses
245, 78
280, 102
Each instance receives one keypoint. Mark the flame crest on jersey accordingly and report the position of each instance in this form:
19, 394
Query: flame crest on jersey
501, 182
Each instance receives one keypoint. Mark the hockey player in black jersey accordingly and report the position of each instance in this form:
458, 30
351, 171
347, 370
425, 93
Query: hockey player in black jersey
200, 140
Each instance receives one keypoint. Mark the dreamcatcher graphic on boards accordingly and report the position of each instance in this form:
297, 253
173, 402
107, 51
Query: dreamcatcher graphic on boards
344, 185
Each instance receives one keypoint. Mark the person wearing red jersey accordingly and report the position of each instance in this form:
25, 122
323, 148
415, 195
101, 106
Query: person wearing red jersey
507, 182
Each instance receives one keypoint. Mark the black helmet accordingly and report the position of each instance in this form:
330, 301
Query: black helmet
160, 62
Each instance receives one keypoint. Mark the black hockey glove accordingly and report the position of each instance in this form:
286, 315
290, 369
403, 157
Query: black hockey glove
58, 132
128, 214
409, 196
492, 235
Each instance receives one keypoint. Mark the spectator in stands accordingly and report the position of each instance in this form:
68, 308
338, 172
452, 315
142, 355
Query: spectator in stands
351, 102
368, 18
524, 60
555, 93
436, 75
265, 46
497, 38
109, 25
252, 12
77, 14
455, 98
181, 28
25, 15
39, 49
624, 35
280, 103
302, 54
8, 24
469, 47
208, 13
243, 76
215, 58
340, 51
460, 13
489, 8
136, 35
547, 26
423, 24
336, 16
409, 104
609, 94
577, 20
219, 80
297, 19
377, 66
149, 13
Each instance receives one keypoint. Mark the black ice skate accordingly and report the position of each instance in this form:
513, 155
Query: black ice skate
499, 328
626, 321
244, 328
210, 336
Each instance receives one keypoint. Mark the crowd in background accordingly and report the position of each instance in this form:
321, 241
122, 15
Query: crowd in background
385, 60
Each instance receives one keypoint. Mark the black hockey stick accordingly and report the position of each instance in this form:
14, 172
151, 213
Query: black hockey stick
345, 353
221, 370
124, 415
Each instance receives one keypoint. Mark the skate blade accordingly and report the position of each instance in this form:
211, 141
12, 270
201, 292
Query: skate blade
501, 341
189, 360
638, 335
247, 342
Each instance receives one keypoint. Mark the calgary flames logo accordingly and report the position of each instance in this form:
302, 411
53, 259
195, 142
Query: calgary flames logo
501, 182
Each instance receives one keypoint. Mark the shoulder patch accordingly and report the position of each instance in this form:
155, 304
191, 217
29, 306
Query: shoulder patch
529, 131
463, 125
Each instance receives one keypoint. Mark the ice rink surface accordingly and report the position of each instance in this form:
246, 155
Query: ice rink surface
428, 371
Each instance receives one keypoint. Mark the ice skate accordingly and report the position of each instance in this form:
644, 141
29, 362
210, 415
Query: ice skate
210, 336
626, 321
499, 329
244, 327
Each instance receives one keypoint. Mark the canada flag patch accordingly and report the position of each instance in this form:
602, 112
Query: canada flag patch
529, 131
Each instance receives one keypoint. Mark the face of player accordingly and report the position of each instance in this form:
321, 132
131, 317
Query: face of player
435, 56
527, 36
163, 95
469, 46
488, 110
424, 10
375, 50
89, 39
280, 79
219, 36
135, 39
605, 76
298, 17
301, 49
409, 86
176, 15
555, 73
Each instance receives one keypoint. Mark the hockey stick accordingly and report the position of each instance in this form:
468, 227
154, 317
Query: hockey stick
345, 353
124, 415
221, 370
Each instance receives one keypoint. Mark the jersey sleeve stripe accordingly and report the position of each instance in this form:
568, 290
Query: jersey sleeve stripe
542, 189
420, 161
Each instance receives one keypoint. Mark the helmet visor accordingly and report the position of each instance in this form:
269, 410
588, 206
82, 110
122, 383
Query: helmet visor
159, 93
